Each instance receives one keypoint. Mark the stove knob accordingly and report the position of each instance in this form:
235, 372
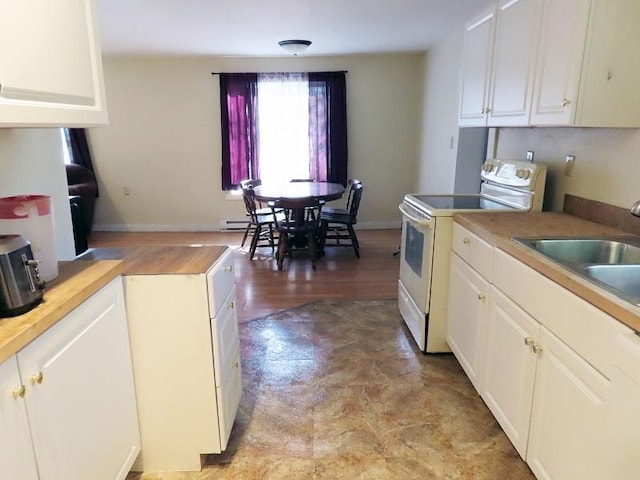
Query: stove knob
519, 173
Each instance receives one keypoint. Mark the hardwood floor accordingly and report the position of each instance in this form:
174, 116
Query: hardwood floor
263, 290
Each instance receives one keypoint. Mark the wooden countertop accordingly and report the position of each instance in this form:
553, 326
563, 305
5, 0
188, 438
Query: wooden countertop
498, 230
160, 260
80, 279
76, 282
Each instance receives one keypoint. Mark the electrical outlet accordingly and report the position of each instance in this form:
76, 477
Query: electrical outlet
569, 162
530, 156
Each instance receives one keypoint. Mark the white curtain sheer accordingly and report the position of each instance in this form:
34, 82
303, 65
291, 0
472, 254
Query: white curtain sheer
283, 123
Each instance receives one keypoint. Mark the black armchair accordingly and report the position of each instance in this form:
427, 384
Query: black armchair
82, 183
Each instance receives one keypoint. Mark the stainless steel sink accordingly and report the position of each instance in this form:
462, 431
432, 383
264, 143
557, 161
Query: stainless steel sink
621, 279
614, 251
611, 262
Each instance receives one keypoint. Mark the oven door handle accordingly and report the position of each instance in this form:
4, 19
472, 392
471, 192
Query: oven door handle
423, 222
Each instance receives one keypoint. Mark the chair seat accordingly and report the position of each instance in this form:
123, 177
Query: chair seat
328, 210
343, 218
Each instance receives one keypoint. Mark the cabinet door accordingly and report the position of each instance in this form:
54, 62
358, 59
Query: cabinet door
51, 64
560, 52
517, 27
476, 66
567, 414
509, 367
468, 299
81, 406
621, 440
16, 452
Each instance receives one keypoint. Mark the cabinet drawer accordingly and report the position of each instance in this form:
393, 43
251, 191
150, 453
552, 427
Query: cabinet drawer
220, 281
224, 330
473, 250
228, 395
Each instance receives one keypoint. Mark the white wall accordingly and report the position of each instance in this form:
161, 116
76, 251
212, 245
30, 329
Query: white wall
163, 140
439, 139
31, 163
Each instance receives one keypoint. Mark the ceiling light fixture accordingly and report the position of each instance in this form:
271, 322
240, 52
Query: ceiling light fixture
294, 47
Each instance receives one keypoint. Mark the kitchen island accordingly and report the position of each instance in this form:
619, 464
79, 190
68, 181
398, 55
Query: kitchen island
185, 348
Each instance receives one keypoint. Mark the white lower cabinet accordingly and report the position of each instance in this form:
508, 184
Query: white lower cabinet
78, 393
186, 362
16, 451
510, 367
568, 415
468, 302
561, 377
622, 429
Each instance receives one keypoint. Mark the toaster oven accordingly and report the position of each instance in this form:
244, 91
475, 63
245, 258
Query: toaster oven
21, 287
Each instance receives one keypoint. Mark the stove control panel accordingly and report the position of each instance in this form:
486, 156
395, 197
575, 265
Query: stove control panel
513, 173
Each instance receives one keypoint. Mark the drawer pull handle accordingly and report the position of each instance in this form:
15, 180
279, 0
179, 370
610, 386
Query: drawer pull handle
232, 305
228, 268
466, 240
528, 341
19, 392
481, 296
37, 378
235, 364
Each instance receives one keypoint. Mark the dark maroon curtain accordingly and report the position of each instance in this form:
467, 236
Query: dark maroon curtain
80, 152
238, 105
328, 125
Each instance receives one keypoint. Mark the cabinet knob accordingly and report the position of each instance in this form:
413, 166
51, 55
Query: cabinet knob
565, 102
19, 392
37, 378
228, 268
481, 296
466, 240
235, 364
528, 341
537, 348
231, 305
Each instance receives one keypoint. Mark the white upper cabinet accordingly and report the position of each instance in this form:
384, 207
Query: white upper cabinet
562, 40
511, 86
497, 64
560, 63
50, 64
476, 69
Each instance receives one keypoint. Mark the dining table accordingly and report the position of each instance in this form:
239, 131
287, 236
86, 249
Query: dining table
323, 191
326, 191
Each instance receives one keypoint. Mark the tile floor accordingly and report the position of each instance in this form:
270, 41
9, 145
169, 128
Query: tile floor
337, 390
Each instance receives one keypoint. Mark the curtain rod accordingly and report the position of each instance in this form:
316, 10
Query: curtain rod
332, 71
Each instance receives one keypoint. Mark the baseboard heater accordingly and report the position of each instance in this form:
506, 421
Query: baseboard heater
230, 225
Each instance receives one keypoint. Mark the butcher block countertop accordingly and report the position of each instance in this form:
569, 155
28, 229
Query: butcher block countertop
498, 230
83, 277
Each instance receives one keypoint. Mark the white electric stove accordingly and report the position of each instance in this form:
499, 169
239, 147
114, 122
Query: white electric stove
506, 185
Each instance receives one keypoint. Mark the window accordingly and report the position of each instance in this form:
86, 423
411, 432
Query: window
283, 125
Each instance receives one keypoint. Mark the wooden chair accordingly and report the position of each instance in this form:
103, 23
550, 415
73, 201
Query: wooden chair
344, 211
336, 229
298, 224
260, 223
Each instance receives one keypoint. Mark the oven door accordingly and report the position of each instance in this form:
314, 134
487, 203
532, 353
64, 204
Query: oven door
416, 262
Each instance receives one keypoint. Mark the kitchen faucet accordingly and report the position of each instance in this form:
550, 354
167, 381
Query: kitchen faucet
635, 209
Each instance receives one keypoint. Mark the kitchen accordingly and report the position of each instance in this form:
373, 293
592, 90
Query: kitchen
419, 124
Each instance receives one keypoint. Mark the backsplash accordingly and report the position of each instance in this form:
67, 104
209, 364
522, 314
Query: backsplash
602, 213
